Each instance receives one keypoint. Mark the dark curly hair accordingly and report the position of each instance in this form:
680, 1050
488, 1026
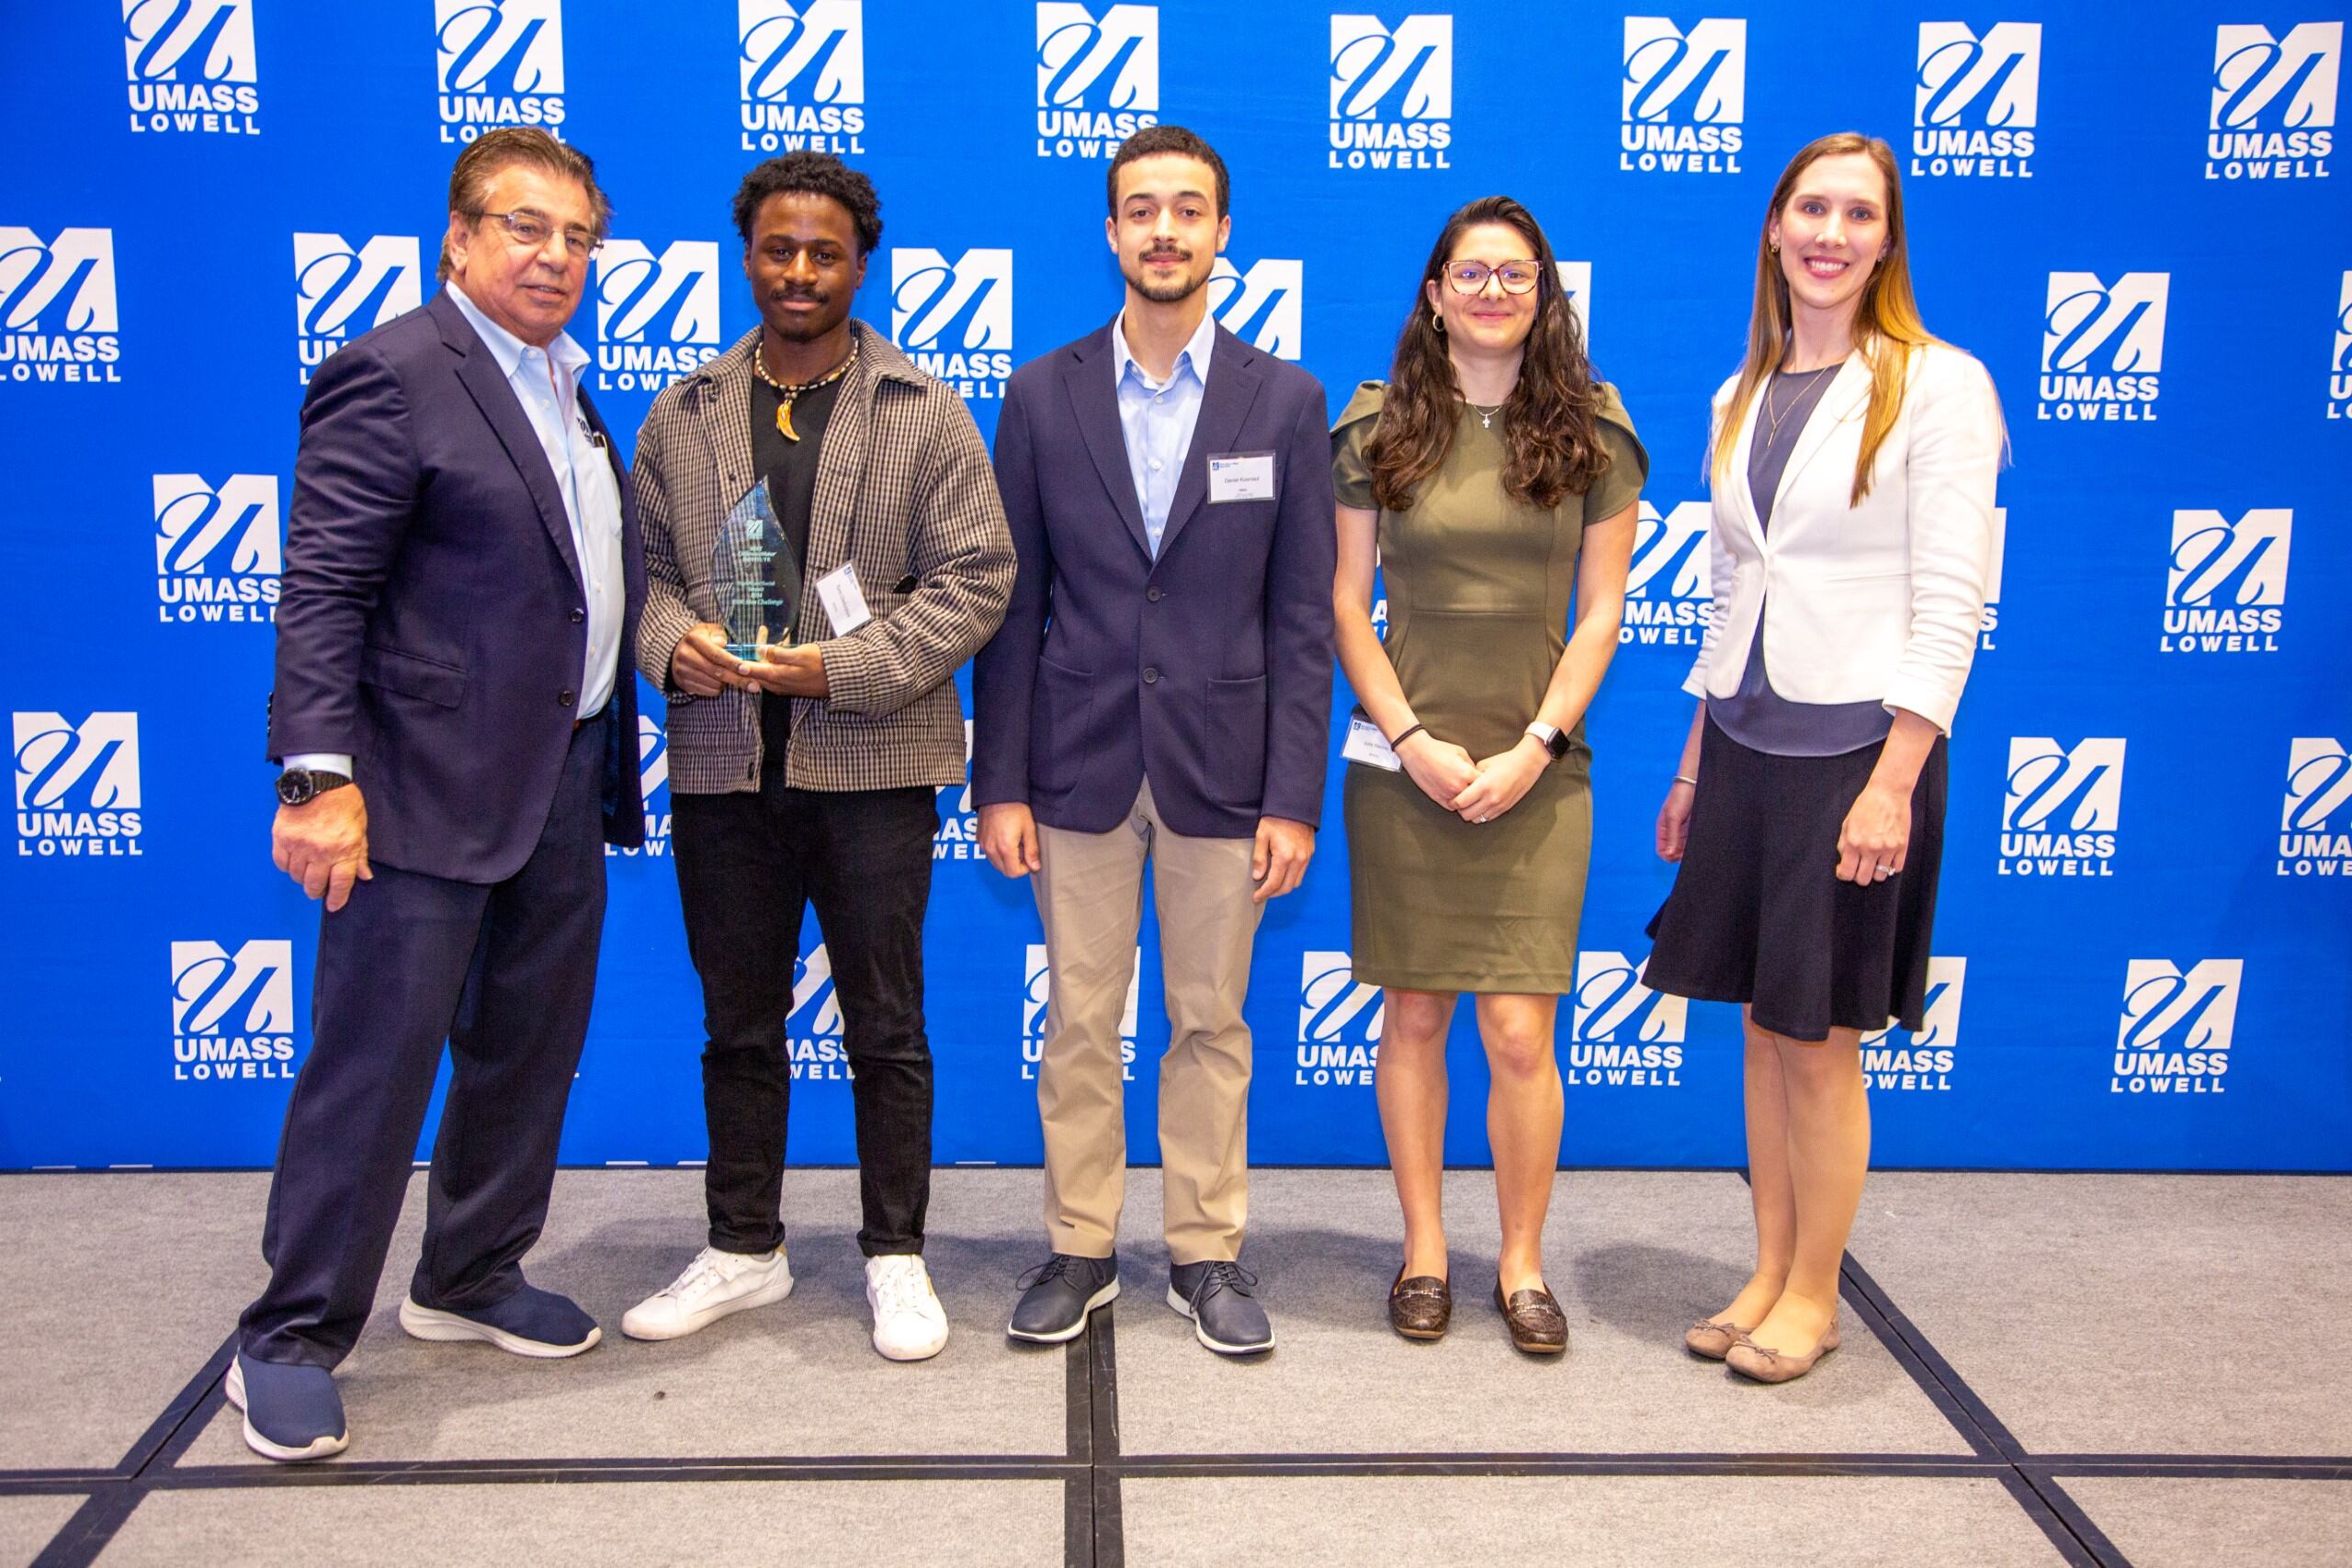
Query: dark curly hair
1157, 139
1552, 414
812, 173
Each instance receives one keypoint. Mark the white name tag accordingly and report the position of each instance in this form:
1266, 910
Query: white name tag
844, 600
1366, 744
1241, 476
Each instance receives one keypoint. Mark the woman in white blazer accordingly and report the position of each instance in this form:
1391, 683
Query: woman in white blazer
1852, 467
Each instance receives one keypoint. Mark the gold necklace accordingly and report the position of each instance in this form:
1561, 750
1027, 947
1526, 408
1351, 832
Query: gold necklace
1774, 419
785, 394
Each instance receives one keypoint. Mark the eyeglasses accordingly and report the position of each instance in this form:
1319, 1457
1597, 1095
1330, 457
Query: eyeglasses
1470, 276
532, 229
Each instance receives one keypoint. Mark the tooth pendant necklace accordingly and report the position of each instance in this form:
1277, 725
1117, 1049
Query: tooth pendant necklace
785, 394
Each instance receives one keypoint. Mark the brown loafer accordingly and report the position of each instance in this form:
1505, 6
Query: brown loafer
1712, 1337
1750, 1360
1537, 1324
1421, 1307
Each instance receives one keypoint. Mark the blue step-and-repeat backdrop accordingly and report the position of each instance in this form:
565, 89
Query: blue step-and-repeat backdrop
2136, 217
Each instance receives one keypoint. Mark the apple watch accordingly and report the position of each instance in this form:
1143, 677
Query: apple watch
1555, 739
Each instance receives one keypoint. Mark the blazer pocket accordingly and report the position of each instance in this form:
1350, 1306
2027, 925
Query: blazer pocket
427, 680
1057, 726
1237, 740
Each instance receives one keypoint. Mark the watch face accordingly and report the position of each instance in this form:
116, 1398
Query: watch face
294, 786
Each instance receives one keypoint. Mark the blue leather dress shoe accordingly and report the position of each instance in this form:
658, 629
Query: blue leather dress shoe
531, 1322
293, 1413
1226, 1315
1057, 1295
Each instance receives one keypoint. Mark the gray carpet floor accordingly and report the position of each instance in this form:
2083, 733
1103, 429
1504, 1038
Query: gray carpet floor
2038, 1369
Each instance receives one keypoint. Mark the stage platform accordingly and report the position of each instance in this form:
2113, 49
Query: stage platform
2038, 1369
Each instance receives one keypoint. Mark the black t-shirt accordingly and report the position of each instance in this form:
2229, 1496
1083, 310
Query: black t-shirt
789, 467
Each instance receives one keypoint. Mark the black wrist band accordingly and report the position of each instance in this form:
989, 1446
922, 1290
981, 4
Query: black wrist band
1407, 734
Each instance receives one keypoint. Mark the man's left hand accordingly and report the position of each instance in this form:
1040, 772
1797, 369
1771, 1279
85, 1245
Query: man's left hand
1279, 859
788, 671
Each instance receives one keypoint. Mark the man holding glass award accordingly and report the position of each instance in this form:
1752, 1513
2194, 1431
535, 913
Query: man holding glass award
824, 545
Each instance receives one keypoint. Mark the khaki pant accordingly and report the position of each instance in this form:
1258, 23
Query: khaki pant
1090, 894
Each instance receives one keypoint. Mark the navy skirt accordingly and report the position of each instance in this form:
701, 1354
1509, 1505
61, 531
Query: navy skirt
1758, 915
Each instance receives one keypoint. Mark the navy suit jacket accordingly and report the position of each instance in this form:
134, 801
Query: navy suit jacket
1207, 669
431, 621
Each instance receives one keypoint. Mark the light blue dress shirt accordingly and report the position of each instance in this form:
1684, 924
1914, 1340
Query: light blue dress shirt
546, 383
1157, 417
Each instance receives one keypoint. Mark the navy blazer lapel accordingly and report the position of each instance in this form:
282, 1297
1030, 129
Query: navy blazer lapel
478, 371
1094, 400
1235, 376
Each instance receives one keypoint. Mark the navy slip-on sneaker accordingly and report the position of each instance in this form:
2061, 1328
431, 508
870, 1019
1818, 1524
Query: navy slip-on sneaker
1057, 1295
293, 1413
531, 1322
1226, 1315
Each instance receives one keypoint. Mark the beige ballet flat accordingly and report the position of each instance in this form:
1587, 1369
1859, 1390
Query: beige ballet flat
1750, 1360
1712, 1337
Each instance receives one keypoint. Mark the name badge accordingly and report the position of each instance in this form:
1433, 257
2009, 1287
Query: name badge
1241, 476
1365, 744
844, 600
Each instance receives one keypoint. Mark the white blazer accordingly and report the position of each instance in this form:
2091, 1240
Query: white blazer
1877, 601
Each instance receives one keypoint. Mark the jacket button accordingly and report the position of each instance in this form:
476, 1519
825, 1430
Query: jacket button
1152, 594
1150, 675
565, 700
578, 617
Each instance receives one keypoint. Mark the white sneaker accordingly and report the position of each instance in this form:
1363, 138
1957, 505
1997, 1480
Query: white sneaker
909, 1325
715, 1284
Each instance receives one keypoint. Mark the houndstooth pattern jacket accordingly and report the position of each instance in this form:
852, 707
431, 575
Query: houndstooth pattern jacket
905, 490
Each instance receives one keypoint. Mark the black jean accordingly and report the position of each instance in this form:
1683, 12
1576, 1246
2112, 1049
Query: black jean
747, 866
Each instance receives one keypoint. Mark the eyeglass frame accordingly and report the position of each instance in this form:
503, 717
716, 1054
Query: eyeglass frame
1486, 272
577, 241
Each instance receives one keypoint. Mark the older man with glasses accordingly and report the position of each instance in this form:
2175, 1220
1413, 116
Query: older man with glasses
458, 729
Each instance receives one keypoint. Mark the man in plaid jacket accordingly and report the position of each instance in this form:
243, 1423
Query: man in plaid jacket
809, 774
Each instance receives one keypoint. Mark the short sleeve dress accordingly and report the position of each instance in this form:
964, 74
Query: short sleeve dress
1478, 585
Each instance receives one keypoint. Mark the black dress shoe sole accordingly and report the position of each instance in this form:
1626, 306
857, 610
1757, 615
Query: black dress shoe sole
1063, 1336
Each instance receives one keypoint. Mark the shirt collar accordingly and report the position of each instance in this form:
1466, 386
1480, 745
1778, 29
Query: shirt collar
507, 349
1196, 349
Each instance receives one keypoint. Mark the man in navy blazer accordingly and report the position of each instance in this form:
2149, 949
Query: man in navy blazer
458, 731
1160, 690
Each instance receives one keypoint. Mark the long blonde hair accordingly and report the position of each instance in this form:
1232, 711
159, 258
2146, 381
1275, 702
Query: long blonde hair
1886, 322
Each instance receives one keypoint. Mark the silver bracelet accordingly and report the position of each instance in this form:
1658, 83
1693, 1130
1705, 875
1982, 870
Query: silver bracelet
1686, 778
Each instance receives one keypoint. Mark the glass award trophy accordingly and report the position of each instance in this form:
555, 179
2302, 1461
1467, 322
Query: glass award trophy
753, 576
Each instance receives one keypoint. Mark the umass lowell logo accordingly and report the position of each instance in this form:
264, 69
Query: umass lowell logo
2339, 359
812, 1035
954, 319
77, 784
217, 550
233, 1013
2225, 590
1898, 1061
1623, 1033
2273, 112
2064, 808
802, 70
1265, 307
1667, 599
657, 316
2102, 346
653, 786
57, 306
1338, 1023
1392, 92
1974, 103
2315, 822
190, 66
1684, 96
2177, 1026
1098, 81
341, 292
498, 62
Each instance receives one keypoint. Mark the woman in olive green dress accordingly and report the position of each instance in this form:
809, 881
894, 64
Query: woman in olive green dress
1490, 480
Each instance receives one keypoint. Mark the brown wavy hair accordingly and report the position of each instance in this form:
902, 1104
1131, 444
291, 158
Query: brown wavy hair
1551, 418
